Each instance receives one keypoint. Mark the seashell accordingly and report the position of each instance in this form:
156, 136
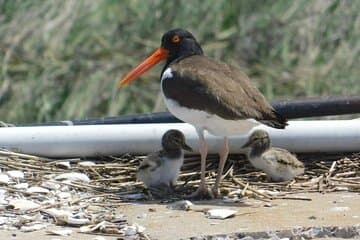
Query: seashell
60, 232
134, 229
15, 174
4, 178
180, 205
73, 176
37, 189
220, 213
50, 185
23, 204
21, 186
86, 164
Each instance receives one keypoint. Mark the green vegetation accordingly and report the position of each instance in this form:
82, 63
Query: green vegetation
62, 59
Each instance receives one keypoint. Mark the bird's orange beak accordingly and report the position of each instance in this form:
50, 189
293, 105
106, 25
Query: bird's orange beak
148, 63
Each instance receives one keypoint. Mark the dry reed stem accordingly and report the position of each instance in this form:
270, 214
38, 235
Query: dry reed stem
342, 172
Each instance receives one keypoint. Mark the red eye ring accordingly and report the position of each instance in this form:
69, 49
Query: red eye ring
175, 39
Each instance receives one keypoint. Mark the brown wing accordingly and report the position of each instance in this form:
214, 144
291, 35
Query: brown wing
151, 162
282, 156
220, 89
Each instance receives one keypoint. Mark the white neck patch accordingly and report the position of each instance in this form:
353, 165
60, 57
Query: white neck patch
167, 74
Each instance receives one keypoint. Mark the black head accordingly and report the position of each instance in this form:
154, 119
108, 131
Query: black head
180, 43
175, 45
174, 140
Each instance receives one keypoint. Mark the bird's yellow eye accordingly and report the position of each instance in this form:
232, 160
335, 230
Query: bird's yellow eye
175, 39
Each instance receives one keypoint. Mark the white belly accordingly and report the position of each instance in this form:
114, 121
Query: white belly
149, 178
170, 170
212, 123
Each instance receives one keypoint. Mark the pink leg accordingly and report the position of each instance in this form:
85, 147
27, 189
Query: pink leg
202, 191
203, 153
223, 154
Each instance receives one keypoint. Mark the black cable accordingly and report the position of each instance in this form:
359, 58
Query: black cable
291, 109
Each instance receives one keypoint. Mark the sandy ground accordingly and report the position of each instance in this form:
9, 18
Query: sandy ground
331, 209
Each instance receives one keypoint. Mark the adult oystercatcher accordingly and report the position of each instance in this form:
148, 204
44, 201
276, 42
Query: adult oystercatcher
210, 95
278, 164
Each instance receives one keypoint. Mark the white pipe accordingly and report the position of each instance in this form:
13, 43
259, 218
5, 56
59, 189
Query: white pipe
93, 140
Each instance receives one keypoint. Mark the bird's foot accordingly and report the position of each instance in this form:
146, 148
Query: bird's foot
216, 192
160, 192
181, 188
201, 193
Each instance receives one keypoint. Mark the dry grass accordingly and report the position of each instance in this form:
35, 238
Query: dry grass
117, 175
112, 185
61, 59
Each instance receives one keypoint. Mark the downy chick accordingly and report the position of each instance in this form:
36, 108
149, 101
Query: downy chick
278, 164
162, 168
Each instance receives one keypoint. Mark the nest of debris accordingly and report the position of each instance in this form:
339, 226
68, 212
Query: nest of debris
86, 192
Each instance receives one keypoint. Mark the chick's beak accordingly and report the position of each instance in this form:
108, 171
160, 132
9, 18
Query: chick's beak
247, 144
187, 147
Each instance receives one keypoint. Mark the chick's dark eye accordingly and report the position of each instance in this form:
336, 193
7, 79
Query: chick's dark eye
175, 39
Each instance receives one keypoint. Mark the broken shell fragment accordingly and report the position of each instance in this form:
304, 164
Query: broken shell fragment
86, 164
73, 176
23, 204
21, 186
180, 205
50, 185
4, 178
37, 189
15, 174
133, 229
220, 213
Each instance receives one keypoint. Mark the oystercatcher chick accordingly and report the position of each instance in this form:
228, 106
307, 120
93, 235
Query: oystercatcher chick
160, 170
278, 164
